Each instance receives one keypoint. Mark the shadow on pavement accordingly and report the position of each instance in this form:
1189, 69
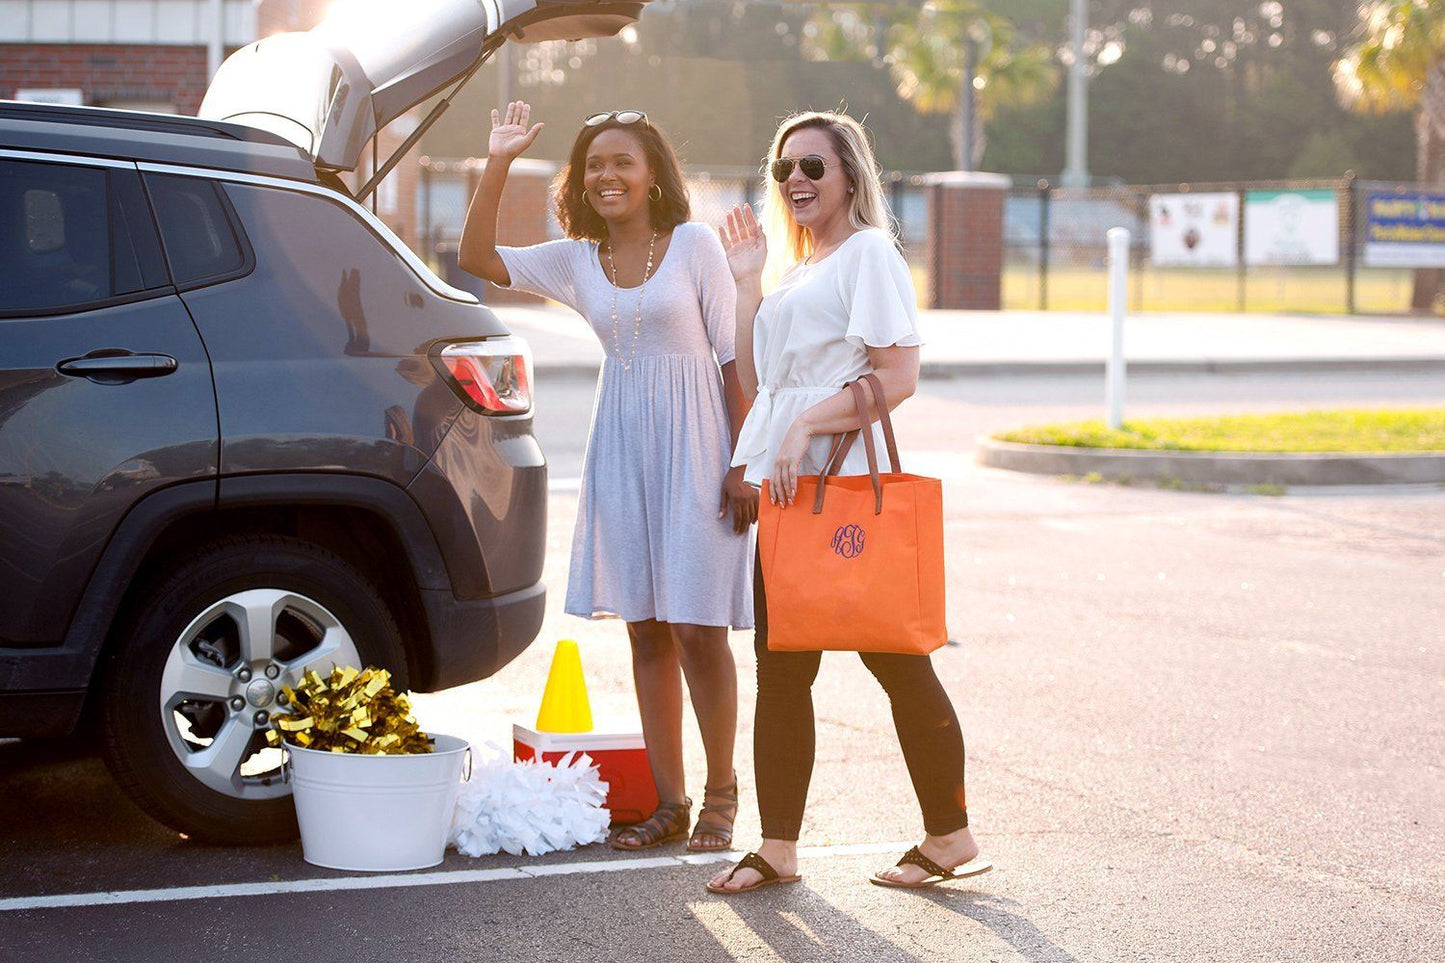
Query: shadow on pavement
796, 923
996, 912
793, 922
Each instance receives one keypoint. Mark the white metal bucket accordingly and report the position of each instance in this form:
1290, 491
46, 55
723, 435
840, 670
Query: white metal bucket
376, 813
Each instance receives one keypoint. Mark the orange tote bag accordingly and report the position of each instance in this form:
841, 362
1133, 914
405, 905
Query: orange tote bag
856, 562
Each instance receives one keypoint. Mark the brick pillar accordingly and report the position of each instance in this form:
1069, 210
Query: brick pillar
525, 217
965, 239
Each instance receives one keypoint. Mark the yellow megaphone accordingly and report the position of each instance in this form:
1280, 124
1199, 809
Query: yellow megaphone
564, 702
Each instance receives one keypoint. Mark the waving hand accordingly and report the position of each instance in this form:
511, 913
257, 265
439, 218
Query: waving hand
510, 135
745, 244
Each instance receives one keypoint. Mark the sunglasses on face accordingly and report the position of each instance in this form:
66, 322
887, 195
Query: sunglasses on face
621, 116
812, 167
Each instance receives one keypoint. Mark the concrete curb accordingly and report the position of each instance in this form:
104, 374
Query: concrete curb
945, 370
1216, 468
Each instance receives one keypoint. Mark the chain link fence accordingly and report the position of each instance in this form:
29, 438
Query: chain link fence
1054, 253
1054, 241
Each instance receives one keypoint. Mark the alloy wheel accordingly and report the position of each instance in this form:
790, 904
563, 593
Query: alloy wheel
224, 679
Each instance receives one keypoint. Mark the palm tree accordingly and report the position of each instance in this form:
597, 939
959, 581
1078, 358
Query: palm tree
1398, 63
946, 57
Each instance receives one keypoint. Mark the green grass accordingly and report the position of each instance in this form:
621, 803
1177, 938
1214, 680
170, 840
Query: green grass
1307, 290
1303, 290
1361, 430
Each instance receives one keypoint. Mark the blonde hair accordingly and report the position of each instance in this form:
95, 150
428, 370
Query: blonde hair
787, 240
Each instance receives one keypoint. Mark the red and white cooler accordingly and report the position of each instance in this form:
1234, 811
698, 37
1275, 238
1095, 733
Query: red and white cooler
621, 759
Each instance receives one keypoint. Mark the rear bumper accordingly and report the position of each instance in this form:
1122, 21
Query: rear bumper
484, 496
474, 639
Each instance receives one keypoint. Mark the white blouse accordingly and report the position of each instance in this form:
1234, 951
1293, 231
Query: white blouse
811, 336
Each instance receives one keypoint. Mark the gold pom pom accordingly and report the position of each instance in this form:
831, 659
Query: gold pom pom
349, 711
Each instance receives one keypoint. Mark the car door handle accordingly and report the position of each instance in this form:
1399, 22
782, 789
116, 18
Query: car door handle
117, 366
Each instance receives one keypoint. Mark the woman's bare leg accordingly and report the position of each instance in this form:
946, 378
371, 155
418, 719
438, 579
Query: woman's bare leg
657, 675
712, 680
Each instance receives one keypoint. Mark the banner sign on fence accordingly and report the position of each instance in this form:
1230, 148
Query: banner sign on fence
1291, 227
1194, 230
1405, 230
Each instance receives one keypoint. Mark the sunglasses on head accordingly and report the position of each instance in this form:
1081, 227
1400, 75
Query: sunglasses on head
621, 116
812, 167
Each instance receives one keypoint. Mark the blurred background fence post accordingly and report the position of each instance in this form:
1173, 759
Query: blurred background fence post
1351, 248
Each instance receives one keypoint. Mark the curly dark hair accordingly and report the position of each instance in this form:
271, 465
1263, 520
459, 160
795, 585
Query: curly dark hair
580, 222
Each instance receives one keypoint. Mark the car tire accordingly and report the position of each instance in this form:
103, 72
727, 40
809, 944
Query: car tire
144, 743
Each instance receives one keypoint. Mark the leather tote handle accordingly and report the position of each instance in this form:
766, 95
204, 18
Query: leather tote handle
843, 443
837, 454
883, 416
840, 451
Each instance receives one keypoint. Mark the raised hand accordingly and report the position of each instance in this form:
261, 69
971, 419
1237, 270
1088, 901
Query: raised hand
510, 135
745, 244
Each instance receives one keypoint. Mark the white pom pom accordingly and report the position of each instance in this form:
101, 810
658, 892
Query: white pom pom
529, 807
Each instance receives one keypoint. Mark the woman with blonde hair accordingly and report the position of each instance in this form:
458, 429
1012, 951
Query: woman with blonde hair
843, 308
662, 537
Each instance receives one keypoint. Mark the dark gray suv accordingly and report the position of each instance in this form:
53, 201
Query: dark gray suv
245, 431
242, 431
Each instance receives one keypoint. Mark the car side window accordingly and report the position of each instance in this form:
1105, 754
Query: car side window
64, 239
200, 240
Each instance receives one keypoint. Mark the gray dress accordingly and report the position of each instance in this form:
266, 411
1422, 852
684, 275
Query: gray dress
649, 543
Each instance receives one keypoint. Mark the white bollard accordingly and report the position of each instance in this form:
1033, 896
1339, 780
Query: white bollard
1118, 238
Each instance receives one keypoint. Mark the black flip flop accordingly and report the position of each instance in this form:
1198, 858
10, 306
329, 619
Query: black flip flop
759, 865
936, 873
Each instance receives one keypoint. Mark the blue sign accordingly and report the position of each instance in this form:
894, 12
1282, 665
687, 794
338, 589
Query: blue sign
1404, 230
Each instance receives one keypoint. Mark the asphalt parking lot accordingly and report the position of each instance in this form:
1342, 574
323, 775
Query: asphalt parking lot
1199, 726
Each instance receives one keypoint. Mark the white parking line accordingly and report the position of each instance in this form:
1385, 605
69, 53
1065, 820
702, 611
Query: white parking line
453, 877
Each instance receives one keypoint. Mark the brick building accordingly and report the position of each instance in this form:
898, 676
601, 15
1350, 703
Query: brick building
151, 55
159, 56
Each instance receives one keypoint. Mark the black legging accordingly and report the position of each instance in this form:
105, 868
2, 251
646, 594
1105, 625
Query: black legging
783, 732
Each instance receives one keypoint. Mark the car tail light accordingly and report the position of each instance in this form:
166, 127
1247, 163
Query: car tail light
493, 376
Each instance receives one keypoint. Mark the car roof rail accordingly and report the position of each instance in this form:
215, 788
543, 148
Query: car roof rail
137, 121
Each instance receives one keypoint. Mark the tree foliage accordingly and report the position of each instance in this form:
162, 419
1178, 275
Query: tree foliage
925, 48
1210, 90
1180, 89
1398, 42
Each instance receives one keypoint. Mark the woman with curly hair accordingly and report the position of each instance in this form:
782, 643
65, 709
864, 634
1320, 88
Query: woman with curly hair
663, 522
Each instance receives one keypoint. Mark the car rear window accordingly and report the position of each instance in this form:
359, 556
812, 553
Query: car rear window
200, 241
64, 239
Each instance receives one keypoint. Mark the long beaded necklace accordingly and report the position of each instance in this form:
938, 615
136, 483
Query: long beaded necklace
637, 322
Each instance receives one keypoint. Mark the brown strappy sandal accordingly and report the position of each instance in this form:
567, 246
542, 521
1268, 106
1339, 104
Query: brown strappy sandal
720, 825
668, 822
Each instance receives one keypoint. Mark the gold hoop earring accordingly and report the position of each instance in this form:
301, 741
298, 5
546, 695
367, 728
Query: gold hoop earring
655, 187
585, 202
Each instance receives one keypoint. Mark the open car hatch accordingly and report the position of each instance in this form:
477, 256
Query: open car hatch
329, 90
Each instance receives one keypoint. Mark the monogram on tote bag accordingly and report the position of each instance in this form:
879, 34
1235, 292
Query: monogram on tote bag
863, 570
